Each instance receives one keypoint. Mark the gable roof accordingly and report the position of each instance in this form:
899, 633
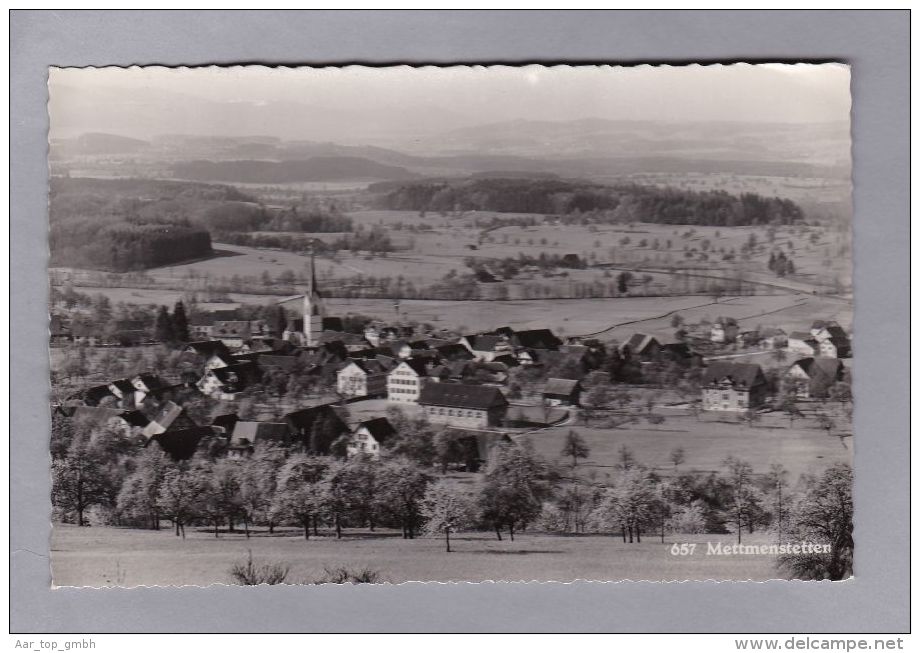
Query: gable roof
459, 395
485, 342
417, 365
639, 343
379, 427
802, 335
740, 375
250, 433
150, 381
564, 387
181, 444
536, 339
208, 348
830, 368
124, 385
454, 352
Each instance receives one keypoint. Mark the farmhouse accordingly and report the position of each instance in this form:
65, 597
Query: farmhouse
170, 417
486, 347
773, 338
225, 382
477, 447
810, 378
833, 341
733, 386
406, 381
246, 435
181, 444
801, 343
214, 352
368, 436
539, 339
360, 378
561, 392
642, 346
316, 427
724, 330
471, 406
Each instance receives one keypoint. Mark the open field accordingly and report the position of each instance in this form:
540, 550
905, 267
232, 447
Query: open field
706, 443
107, 557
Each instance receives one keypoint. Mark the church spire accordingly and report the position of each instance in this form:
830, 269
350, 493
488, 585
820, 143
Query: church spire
313, 310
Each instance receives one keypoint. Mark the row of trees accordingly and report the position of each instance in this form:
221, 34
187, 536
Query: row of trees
622, 203
402, 489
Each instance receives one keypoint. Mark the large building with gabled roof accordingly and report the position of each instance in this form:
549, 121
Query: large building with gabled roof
461, 405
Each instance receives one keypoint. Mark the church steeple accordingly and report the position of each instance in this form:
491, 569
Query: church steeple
313, 309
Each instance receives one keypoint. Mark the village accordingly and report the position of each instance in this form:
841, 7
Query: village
485, 387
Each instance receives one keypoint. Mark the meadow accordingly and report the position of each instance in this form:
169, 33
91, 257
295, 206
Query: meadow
707, 441
111, 557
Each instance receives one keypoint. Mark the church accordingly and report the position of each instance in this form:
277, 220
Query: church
307, 331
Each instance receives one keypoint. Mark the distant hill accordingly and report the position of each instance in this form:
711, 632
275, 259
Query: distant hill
320, 168
97, 144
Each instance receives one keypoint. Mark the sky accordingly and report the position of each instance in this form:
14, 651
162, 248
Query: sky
358, 99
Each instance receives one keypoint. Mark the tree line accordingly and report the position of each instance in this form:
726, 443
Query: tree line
617, 203
518, 492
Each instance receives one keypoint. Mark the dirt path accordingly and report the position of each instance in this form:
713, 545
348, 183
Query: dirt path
658, 317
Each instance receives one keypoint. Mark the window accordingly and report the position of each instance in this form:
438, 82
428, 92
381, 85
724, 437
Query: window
725, 396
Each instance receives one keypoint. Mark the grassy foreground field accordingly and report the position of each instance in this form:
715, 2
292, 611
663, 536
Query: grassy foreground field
801, 449
108, 557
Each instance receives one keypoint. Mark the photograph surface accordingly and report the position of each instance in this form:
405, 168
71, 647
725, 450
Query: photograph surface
378, 325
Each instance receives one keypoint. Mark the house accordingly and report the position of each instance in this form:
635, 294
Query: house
226, 382
170, 417
361, 378
724, 330
181, 443
536, 339
457, 404
486, 347
316, 428
233, 333
478, 447
773, 338
561, 392
733, 386
246, 435
833, 341
214, 352
406, 381
368, 436
801, 343
223, 424
810, 378
456, 352
748, 338
642, 346
145, 384
124, 390
96, 395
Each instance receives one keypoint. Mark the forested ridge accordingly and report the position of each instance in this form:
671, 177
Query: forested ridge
627, 202
134, 224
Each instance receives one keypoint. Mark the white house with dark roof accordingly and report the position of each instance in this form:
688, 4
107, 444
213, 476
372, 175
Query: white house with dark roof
486, 347
465, 406
735, 387
360, 378
561, 392
801, 343
368, 437
406, 381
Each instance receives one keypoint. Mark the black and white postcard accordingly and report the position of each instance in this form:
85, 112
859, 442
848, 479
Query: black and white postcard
466, 323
